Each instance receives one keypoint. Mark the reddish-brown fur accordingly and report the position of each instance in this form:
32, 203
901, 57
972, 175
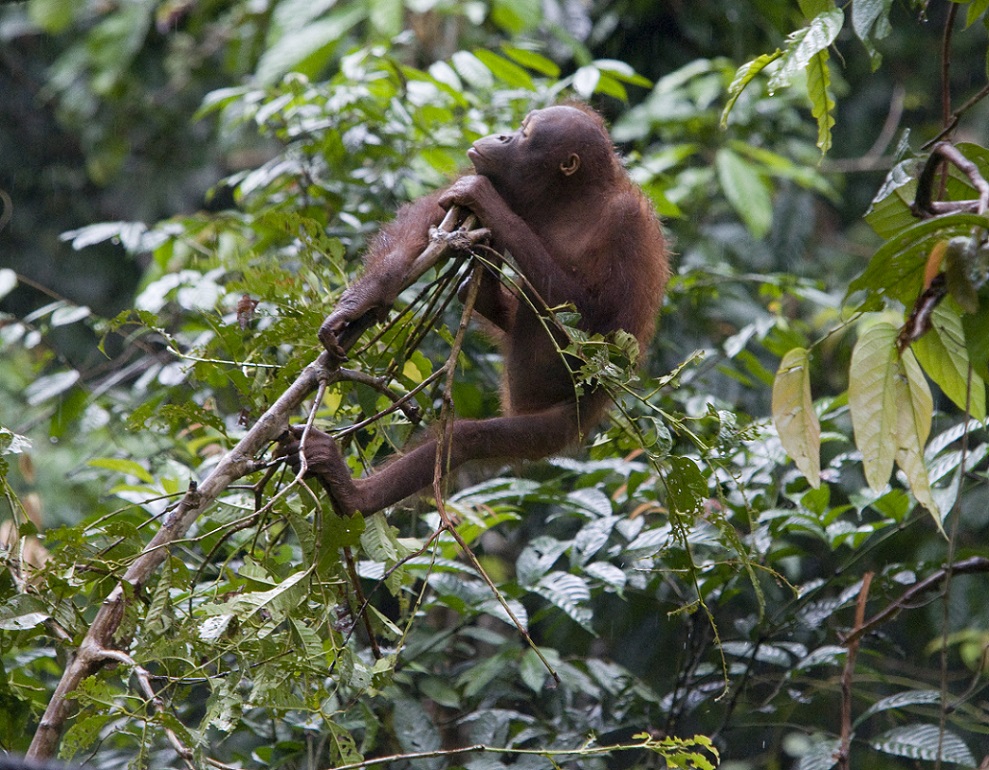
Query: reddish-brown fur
554, 196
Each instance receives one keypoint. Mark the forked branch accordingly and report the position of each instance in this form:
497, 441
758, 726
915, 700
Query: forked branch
100, 641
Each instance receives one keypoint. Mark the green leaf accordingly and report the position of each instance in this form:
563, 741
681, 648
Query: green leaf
977, 340
533, 61
23, 622
532, 671
339, 532
822, 755
745, 75
506, 71
84, 732
496, 609
380, 540
805, 44
889, 212
569, 593
777, 165
472, 69
747, 191
943, 355
914, 411
50, 386
897, 268
516, 16
922, 742
870, 20
386, 16
279, 600
976, 9
8, 281
794, 416
414, 729
871, 400
686, 486
611, 87
310, 642
69, 314
822, 105
585, 80
53, 16
123, 467
900, 700
622, 71
307, 49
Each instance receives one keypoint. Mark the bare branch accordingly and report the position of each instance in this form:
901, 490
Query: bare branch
847, 677
975, 564
925, 207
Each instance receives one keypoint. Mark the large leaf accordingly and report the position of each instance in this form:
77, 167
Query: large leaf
745, 74
805, 44
8, 281
870, 20
897, 268
899, 701
794, 416
890, 210
686, 487
569, 593
414, 729
380, 540
821, 104
386, 16
278, 601
922, 742
516, 16
871, 400
914, 410
822, 755
506, 71
943, 355
50, 386
746, 190
307, 50
977, 340
532, 60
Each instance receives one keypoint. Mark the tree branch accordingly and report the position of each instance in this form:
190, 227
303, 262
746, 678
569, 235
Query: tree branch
965, 567
100, 639
847, 677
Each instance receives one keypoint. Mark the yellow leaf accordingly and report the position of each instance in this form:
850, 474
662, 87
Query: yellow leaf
913, 426
872, 401
793, 414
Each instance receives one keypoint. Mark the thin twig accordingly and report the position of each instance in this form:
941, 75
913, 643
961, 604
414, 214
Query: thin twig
380, 384
357, 426
444, 446
443, 449
875, 157
975, 564
355, 581
949, 27
8, 208
586, 750
848, 676
946, 594
144, 680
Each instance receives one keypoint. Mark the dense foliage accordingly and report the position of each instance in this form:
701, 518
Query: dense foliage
730, 570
